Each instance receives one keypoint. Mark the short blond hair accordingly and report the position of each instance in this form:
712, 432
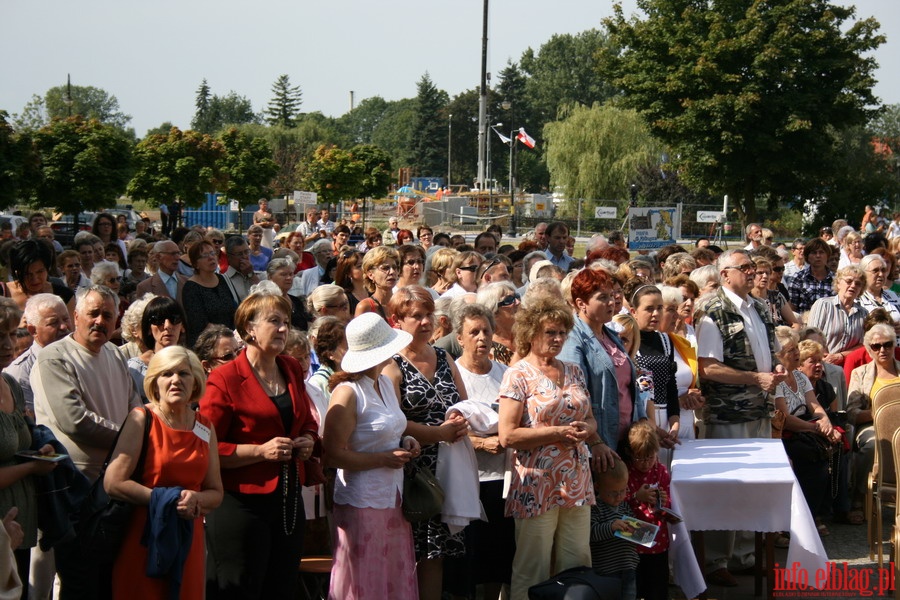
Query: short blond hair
532, 316
166, 360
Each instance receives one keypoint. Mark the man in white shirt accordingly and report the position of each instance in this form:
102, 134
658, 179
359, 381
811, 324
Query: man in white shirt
754, 237
738, 373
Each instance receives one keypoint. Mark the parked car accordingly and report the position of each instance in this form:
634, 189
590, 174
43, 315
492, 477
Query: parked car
64, 227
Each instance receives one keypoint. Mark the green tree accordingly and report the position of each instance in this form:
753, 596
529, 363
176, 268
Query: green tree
64, 101
360, 123
564, 71
513, 88
163, 128
182, 165
18, 163
284, 107
376, 171
333, 174
595, 153
246, 166
429, 132
747, 94
230, 109
463, 118
203, 103
886, 125
394, 132
85, 164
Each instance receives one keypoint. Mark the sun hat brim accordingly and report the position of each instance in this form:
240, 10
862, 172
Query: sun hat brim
356, 361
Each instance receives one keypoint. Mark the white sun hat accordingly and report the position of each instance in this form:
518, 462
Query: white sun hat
370, 341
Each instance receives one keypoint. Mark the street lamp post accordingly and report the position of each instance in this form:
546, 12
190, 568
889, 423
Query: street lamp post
449, 145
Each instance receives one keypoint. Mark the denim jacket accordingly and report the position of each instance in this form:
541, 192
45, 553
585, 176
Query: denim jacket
584, 349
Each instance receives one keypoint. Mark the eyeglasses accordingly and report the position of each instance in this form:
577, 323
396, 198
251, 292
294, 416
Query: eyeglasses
763, 273
160, 320
226, 357
886, 345
509, 300
747, 269
209, 255
470, 268
387, 268
879, 270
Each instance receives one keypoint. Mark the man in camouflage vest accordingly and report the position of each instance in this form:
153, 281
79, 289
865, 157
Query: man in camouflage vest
738, 373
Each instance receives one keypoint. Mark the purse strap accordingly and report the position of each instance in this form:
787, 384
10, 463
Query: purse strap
137, 475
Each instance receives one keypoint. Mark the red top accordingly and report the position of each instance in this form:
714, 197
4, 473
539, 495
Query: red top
241, 412
647, 512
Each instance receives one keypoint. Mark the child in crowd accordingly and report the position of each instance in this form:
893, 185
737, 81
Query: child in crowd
648, 489
610, 555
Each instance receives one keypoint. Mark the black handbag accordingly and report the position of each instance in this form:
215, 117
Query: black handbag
423, 496
103, 521
577, 583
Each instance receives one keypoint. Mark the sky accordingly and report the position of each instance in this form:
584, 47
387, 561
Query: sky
153, 55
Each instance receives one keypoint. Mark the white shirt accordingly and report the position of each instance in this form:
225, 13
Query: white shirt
709, 338
485, 389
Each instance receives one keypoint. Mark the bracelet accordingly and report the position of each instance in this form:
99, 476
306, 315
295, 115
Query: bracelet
594, 443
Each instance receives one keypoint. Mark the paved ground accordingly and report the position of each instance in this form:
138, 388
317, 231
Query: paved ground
847, 543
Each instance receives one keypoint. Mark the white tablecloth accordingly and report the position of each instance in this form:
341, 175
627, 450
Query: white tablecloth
746, 485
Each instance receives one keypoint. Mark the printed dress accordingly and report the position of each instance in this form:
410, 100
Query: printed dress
553, 474
426, 403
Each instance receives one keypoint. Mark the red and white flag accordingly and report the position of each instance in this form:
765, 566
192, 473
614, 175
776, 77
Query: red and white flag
525, 138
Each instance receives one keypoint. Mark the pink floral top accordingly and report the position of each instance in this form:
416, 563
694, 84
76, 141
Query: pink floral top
554, 474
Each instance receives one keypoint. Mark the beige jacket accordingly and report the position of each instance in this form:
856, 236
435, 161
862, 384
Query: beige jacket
861, 381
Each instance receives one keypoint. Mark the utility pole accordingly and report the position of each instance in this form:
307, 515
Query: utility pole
482, 102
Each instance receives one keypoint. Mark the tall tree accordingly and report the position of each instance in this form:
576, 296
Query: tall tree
564, 71
429, 132
886, 126
333, 174
595, 153
203, 112
247, 167
230, 109
513, 88
18, 163
182, 165
360, 123
463, 132
394, 131
284, 107
85, 164
376, 171
747, 94
64, 101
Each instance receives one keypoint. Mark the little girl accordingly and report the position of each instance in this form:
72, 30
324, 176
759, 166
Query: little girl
648, 490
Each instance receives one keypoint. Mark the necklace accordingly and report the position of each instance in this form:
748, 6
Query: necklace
165, 418
285, 497
272, 385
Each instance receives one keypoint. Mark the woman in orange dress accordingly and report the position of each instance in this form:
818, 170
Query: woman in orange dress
181, 452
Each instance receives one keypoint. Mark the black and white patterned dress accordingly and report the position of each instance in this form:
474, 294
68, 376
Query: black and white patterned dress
427, 403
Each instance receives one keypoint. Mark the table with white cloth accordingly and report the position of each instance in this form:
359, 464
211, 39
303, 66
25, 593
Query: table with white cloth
747, 485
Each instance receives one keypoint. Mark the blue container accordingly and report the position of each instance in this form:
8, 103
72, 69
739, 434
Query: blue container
210, 214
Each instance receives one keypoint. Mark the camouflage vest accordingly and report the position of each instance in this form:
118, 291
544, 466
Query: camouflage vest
732, 403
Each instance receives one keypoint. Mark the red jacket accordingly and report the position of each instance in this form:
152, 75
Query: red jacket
242, 413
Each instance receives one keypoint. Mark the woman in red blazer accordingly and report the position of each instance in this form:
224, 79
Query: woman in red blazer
266, 430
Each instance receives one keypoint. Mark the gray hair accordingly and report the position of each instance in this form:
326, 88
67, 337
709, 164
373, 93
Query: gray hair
676, 262
131, 320
104, 292
320, 245
266, 287
39, 302
103, 271
869, 259
491, 294
231, 243
597, 242
727, 258
671, 295
279, 263
541, 288
534, 255
880, 330
84, 237
473, 311
854, 271
705, 274
322, 295
443, 308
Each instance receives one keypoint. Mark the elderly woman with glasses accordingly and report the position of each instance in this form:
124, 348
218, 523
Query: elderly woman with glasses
840, 317
503, 302
206, 293
865, 381
773, 299
381, 268
876, 295
216, 346
851, 249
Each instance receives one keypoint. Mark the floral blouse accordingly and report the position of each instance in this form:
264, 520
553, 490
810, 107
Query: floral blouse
553, 474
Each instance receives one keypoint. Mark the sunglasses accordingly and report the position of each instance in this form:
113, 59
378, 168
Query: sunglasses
226, 357
509, 300
885, 345
470, 268
160, 320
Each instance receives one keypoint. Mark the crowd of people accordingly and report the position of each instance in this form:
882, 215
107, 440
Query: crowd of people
262, 398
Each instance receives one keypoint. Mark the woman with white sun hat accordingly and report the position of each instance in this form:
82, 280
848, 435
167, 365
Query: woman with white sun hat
364, 440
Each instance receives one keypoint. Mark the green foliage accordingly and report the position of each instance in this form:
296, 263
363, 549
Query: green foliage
63, 101
886, 125
564, 71
247, 167
376, 172
394, 132
429, 132
163, 129
202, 116
746, 93
228, 110
284, 107
85, 164
18, 163
595, 153
183, 165
464, 138
333, 174
360, 124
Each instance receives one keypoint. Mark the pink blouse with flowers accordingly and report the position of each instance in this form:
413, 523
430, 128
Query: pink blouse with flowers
553, 474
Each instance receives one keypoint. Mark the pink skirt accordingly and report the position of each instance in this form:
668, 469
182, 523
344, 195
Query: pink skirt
373, 555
